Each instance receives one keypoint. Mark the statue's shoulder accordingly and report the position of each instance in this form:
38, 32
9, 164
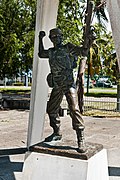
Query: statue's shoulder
66, 46
69, 46
50, 50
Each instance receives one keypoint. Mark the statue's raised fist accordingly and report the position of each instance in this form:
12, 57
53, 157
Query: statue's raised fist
42, 34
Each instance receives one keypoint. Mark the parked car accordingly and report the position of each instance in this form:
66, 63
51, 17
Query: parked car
107, 84
91, 85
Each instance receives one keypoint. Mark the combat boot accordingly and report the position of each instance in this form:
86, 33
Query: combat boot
81, 140
55, 136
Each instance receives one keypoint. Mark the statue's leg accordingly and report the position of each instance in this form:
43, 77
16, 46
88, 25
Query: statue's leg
53, 107
77, 121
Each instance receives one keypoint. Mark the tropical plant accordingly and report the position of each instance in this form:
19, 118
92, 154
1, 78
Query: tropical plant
17, 22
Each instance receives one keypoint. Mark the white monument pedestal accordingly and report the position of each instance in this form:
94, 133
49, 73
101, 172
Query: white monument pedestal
47, 162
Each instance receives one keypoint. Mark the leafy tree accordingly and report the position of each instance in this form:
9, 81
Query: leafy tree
17, 22
102, 56
70, 20
71, 17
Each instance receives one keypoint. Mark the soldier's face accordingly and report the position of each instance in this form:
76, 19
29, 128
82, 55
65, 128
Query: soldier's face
56, 39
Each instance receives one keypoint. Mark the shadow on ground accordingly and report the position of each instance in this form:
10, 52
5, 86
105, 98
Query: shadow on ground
8, 167
12, 151
114, 171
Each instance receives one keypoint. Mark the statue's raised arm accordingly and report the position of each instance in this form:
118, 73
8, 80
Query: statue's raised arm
42, 52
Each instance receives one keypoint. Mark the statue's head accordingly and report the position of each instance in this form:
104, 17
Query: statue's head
56, 36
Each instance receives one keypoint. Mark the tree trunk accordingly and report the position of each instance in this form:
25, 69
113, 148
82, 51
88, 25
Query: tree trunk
114, 14
80, 83
88, 79
86, 33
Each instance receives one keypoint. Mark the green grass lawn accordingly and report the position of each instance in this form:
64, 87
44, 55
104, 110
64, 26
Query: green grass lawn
15, 89
102, 92
95, 92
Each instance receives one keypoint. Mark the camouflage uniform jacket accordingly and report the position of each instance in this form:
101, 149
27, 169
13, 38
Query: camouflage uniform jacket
61, 63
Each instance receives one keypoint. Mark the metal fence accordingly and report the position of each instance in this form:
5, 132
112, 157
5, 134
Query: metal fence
97, 104
102, 106
100, 103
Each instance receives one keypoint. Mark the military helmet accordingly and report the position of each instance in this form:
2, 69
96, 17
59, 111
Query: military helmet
54, 32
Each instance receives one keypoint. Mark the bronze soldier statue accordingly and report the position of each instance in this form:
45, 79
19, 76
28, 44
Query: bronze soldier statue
62, 61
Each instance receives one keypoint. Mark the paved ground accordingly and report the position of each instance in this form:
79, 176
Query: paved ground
13, 129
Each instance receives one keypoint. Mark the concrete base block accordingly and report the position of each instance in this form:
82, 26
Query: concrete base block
55, 167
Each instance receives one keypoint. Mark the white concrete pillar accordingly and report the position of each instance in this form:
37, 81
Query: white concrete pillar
114, 14
45, 20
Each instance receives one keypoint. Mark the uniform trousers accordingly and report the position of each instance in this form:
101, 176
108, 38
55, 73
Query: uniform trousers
53, 107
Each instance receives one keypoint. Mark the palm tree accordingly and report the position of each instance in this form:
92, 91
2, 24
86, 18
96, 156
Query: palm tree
97, 10
100, 15
72, 13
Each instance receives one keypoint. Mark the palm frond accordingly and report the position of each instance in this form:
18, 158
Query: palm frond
100, 13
